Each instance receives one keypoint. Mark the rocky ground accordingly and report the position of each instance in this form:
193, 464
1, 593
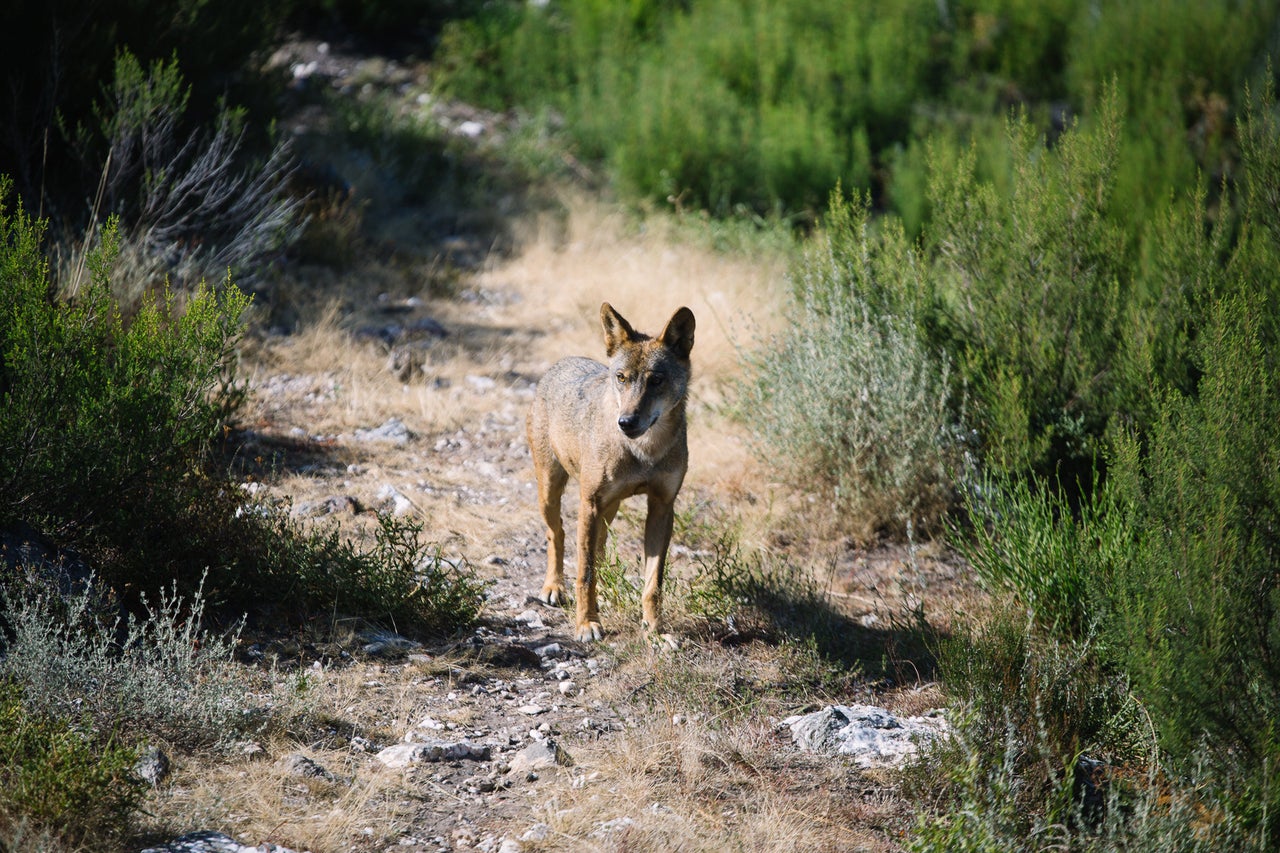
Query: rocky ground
387, 395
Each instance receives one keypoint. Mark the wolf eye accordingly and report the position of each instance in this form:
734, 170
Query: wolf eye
622, 378
656, 380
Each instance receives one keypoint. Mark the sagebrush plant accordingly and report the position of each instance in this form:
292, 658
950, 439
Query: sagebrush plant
851, 396
159, 674
61, 787
193, 204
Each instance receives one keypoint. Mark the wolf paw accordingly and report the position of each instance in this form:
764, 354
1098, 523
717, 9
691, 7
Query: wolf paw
554, 595
660, 638
590, 631
665, 641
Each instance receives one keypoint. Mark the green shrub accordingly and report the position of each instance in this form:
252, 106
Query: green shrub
716, 105
1167, 577
850, 396
127, 412
1052, 749
1026, 539
59, 784
107, 422
1032, 286
398, 579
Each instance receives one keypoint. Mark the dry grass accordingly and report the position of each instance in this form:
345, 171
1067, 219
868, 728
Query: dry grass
600, 255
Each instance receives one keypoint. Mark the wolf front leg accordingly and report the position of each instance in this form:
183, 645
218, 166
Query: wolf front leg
657, 538
551, 482
591, 533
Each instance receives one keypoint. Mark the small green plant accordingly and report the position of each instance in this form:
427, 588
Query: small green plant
398, 579
1025, 538
58, 783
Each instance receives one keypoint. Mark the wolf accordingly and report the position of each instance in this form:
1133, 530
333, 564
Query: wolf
619, 430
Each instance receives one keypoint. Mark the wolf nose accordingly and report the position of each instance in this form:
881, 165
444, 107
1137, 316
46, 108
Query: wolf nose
628, 423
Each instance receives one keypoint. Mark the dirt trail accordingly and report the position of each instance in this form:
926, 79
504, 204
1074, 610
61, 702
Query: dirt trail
385, 398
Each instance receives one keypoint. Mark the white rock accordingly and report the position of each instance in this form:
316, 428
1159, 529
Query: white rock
392, 430
872, 736
404, 754
539, 755
537, 832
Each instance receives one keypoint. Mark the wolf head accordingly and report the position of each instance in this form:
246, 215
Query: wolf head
649, 376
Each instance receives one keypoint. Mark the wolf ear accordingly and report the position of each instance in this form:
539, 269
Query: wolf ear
617, 331
678, 335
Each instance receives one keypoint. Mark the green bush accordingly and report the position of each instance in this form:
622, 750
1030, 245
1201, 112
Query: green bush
58, 783
106, 445
716, 104
1032, 286
397, 580
850, 395
1167, 576
1026, 539
107, 422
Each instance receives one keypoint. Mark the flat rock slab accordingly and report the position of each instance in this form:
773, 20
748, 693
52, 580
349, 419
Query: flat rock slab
404, 754
212, 842
872, 736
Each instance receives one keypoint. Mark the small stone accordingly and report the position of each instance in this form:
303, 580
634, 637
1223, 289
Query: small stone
537, 832
531, 710
152, 766
568, 688
393, 431
297, 764
540, 755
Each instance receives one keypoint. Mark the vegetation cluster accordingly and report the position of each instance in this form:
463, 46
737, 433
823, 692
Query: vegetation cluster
1037, 310
1041, 316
